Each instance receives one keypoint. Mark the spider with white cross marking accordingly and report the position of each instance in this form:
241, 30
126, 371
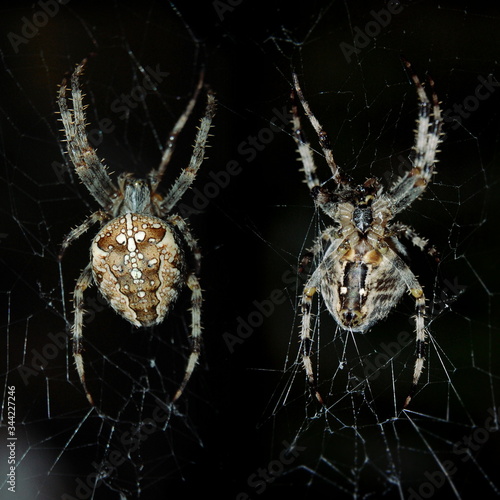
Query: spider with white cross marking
360, 273
140, 256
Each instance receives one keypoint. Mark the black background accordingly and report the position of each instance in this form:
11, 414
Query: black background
252, 234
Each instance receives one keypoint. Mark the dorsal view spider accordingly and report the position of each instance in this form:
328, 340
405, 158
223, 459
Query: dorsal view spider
139, 257
360, 272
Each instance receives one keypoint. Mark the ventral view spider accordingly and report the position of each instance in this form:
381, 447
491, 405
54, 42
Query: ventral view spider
360, 272
140, 258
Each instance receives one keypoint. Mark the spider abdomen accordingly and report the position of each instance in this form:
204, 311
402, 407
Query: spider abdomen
138, 266
361, 287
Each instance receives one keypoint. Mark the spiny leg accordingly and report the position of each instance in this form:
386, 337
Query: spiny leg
75, 233
322, 136
399, 229
427, 141
427, 138
417, 293
196, 301
157, 175
421, 345
306, 156
87, 164
329, 235
310, 290
192, 244
83, 282
187, 176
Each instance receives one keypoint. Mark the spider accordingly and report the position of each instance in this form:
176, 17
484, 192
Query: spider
139, 257
360, 273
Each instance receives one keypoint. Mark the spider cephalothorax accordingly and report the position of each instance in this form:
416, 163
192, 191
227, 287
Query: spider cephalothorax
143, 254
360, 272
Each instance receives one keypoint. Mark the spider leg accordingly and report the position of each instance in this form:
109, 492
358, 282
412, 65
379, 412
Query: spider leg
417, 293
303, 145
420, 342
427, 138
310, 289
187, 176
308, 166
76, 232
87, 164
186, 233
83, 282
398, 229
157, 174
329, 235
196, 301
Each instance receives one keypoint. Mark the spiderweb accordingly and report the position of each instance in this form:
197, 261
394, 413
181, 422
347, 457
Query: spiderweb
247, 425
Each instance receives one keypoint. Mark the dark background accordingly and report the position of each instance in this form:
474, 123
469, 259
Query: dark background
234, 416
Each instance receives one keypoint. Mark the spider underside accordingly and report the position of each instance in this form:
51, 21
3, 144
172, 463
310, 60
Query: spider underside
143, 254
361, 274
